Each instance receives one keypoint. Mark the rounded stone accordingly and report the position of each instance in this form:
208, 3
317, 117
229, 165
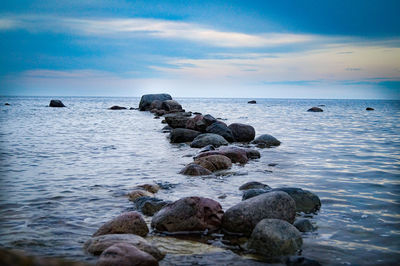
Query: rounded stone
254, 184
126, 223
304, 225
123, 254
242, 132
203, 140
266, 140
137, 193
214, 162
194, 169
179, 135
315, 109
152, 188
56, 103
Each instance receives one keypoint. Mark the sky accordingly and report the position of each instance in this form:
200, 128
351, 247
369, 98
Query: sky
249, 49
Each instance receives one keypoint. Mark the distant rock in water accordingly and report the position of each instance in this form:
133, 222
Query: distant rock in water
321, 105
252, 102
56, 103
266, 140
6, 104
370, 109
315, 109
254, 185
116, 107
147, 99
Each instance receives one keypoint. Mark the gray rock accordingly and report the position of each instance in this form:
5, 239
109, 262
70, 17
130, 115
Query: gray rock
149, 205
252, 102
116, 107
273, 237
369, 109
203, 140
176, 120
197, 123
171, 105
252, 153
166, 129
179, 135
222, 130
194, 169
315, 109
126, 223
147, 99
306, 201
252, 192
254, 184
244, 216
214, 162
266, 140
209, 119
242, 132
207, 148
301, 261
236, 154
123, 254
304, 225
156, 104
56, 103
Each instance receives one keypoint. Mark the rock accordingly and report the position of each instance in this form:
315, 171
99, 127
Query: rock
236, 154
147, 99
166, 129
273, 237
301, 261
197, 123
160, 112
6, 104
149, 205
116, 107
306, 201
176, 120
96, 245
209, 119
244, 216
152, 188
222, 130
123, 254
126, 223
207, 148
195, 170
321, 105
252, 185
137, 193
197, 113
315, 109
242, 132
156, 105
303, 225
189, 214
56, 103
252, 153
156, 117
252, 102
266, 140
252, 192
171, 106
214, 162
369, 109
203, 140
179, 135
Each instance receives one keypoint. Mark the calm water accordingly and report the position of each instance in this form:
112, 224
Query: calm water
64, 171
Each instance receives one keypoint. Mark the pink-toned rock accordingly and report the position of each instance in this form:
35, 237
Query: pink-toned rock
214, 162
197, 123
123, 254
195, 170
126, 223
235, 154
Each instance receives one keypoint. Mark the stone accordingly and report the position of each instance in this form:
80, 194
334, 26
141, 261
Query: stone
179, 135
156, 105
137, 193
197, 123
301, 261
205, 139
315, 109
252, 102
244, 216
116, 107
176, 120
6, 104
252, 192
147, 99
149, 205
306, 201
56, 103
236, 154
242, 132
207, 148
209, 119
171, 106
126, 223
214, 162
166, 129
304, 225
274, 237
193, 169
152, 188
123, 254
96, 245
222, 130
189, 214
254, 184
266, 140
252, 153
369, 109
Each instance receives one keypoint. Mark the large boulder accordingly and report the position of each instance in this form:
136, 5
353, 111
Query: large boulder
176, 120
273, 237
149, 205
194, 169
220, 129
147, 99
123, 254
242, 132
209, 119
96, 245
244, 216
197, 123
179, 135
126, 223
203, 140
315, 109
266, 140
56, 103
254, 185
189, 214
236, 154
155, 105
214, 162
171, 106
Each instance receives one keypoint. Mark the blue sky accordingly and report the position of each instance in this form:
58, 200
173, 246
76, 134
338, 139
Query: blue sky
270, 49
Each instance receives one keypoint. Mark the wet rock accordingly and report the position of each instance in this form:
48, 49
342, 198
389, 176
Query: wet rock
179, 135
301, 261
242, 132
56, 103
369, 109
222, 130
273, 237
189, 214
214, 162
96, 245
253, 185
266, 140
147, 99
244, 216
303, 225
252, 153
207, 148
252, 102
123, 254
156, 117
137, 193
156, 105
315, 109
149, 205
209, 119
116, 107
176, 120
166, 129
126, 223
6, 104
252, 192
203, 140
171, 106
152, 188
306, 201
197, 123
194, 169
236, 154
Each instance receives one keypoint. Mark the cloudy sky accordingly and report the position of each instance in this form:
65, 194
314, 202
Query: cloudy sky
269, 49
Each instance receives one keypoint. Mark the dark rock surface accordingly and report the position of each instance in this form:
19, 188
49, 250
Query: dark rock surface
56, 103
197, 123
242, 132
176, 120
116, 107
303, 225
315, 109
301, 261
252, 153
126, 223
194, 169
179, 135
149, 205
236, 154
254, 185
252, 102
369, 109
171, 106
209, 119
147, 99
203, 140
123, 254
266, 140
252, 192
220, 129
214, 162
152, 188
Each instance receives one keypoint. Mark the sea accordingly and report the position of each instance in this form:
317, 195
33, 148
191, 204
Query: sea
66, 171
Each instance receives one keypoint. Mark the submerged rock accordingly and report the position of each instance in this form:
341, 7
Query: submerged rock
123, 254
126, 223
273, 237
242, 132
6, 104
171, 106
166, 129
194, 169
116, 107
137, 193
222, 130
214, 162
149, 205
152, 188
189, 214
254, 184
315, 109
203, 140
147, 99
252, 102
304, 225
176, 120
252, 153
252, 192
179, 135
266, 140
369, 109
301, 261
56, 103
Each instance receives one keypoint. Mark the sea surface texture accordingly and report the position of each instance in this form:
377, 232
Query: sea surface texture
66, 171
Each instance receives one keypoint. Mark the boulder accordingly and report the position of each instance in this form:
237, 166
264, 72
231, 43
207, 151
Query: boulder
220, 129
123, 254
126, 223
369, 109
171, 106
207, 148
242, 132
149, 205
147, 99
156, 105
301, 261
203, 140
96, 245
56, 103
252, 192
214, 162
315, 109
166, 129
252, 153
306, 201
266, 140
253, 185
116, 107
236, 154
176, 120
137, 193
189, 214
197, 123
152, 188
244, 216
195, 170
252, 102
273, 237
209, 119
304, 225
179, 135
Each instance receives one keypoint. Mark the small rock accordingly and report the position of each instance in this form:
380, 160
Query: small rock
252, 153
252, 102
152, 188
194, 169
156, 117
147, 99
149, 205
266, 140
56, 103
139, 193
222, 130
236, 154
166, 129
209, 119
171, 105
203, 140
306, 201
123, 254
252, 192
6, 104
254, 184
207, 148
242, 132
223, 196
197, 113
304, 225
126, 223
315, 109
214, 162
369, 109
180, 135
116, 107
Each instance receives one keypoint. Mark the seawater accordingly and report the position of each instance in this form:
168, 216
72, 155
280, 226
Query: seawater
65, 171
